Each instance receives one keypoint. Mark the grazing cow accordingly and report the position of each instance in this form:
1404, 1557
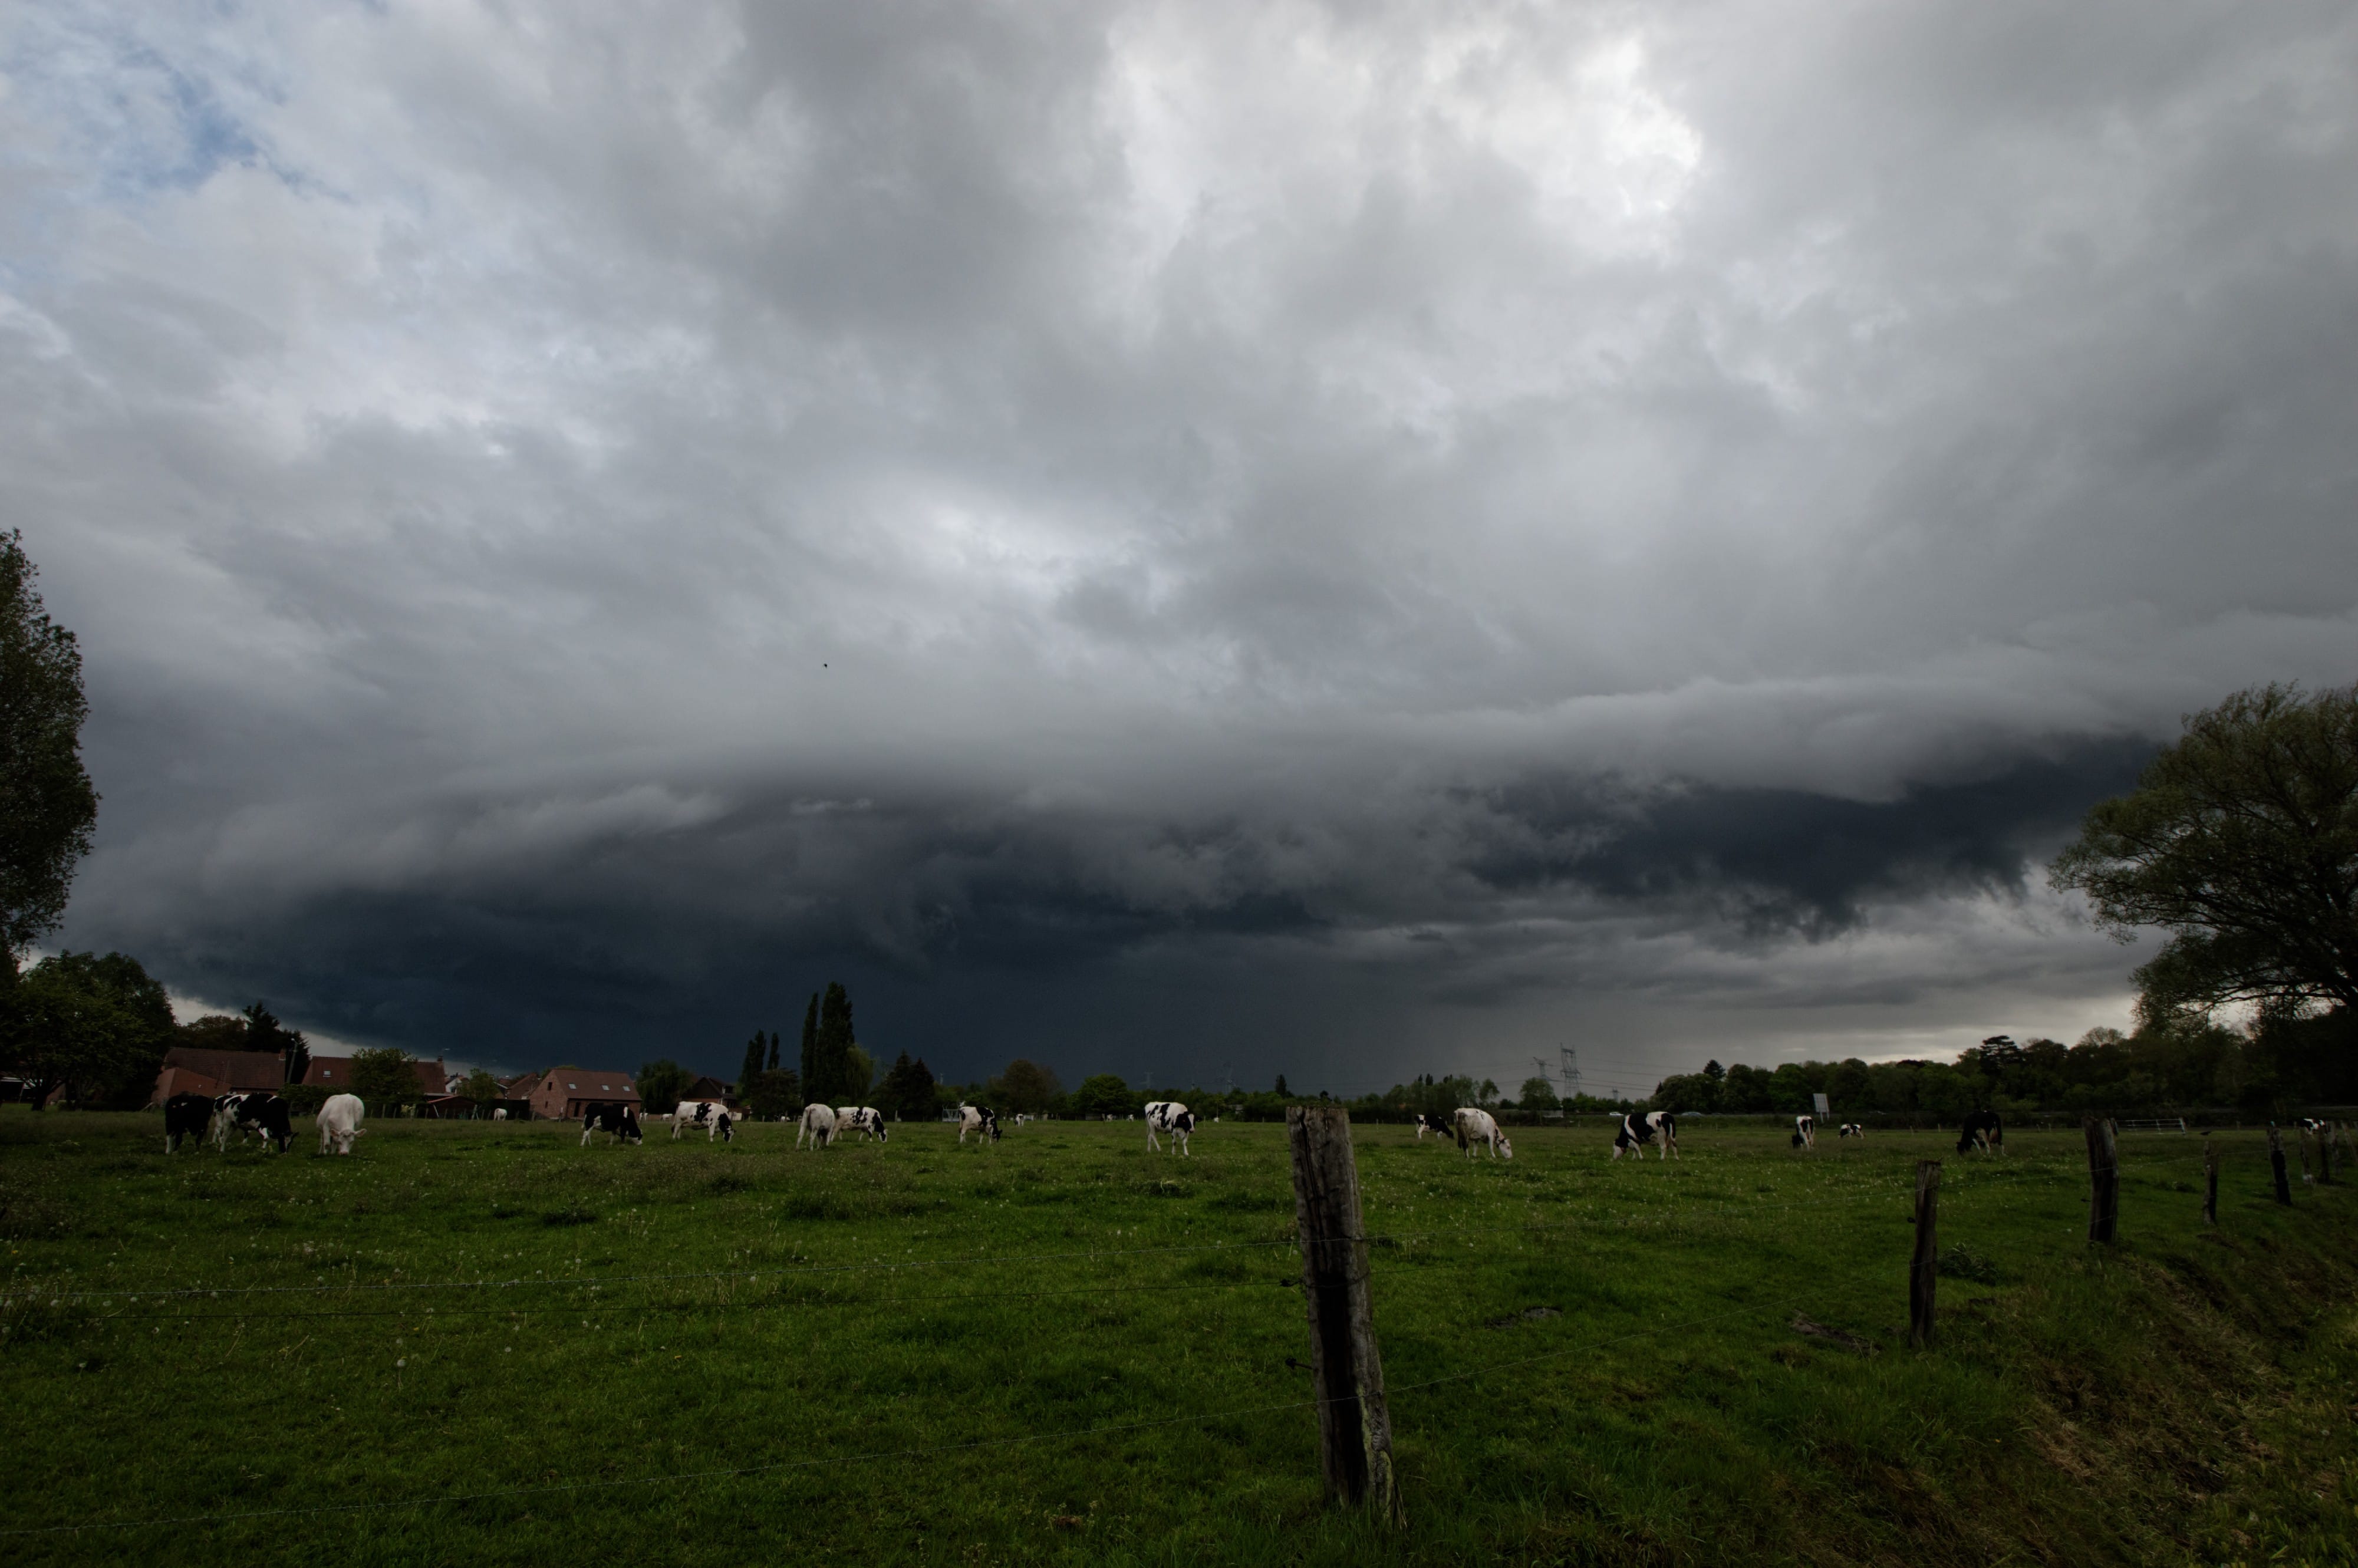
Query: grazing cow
1169, 1115
817, 1125
2312, 1125
498, 1113
1478, 1126
256, 1111
340, 1123
866, 1120
711, 1115
1431, 1124
224, 1119
186, 1116
978, 1119
1982, 1130
1852, 1130
1636, 1131
1805, 1132
617, 1120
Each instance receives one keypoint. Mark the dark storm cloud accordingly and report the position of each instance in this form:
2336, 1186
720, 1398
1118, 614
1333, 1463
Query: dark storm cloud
1374, 538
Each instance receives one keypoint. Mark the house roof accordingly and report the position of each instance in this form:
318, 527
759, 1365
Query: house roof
237, 1069
584, 1082
336, 1073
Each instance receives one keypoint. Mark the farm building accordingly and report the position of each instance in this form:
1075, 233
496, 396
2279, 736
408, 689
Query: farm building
336, 1073
192, 1070
564, 1094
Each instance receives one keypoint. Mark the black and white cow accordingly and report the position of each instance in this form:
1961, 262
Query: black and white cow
1852, 1130
257, 1112
711, 1115
619, 1120
186, 1116
1982, 1130
1431, 1124
1474, 1124
340, 1123
866, 1120
978, 1119
1169, 1115
1636, 1131
1805, 1132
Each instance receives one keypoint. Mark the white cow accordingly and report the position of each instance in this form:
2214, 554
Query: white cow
711, 1115
498, 1113
1169, 1115
1805, 1132
978, 1119
1852, 1130
340, 1123
818, 1126
866, 1120
1478, 1126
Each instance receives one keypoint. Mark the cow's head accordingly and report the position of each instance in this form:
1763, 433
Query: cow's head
1506, 1150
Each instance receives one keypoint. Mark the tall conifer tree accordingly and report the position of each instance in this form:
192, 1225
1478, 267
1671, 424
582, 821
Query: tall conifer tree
811, 1085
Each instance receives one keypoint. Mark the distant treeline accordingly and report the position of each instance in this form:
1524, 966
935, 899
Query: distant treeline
2179, 1065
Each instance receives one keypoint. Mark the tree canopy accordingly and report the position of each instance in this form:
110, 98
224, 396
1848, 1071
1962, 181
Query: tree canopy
2240, 841
386, 1076
47, 804
97, 1026
662, 1085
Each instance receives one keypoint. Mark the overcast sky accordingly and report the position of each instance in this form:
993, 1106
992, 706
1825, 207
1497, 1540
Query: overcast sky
1171, 539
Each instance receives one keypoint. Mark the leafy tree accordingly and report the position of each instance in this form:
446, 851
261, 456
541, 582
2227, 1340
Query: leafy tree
481, 1087
47, 804
907, 1092
1104, 1094
773, 1048
774, 1092
386, 1078
265, 1032
1281, 1085
756, 1050
2241, 840
1537, 1094
859, 1075
213, 1031
1024, 1087
662, 1084
96, 1026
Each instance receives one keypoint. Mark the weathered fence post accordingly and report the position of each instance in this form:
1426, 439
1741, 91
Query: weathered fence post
2325, 1153
2209, 1179
1354, 1427
1923, 1268
2276, 1163
2104, 1180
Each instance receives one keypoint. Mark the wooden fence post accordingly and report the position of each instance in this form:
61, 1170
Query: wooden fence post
2276, 1163
2210, 1180
1923, 1267
1355, 1426
2325, 1153
2104, 1180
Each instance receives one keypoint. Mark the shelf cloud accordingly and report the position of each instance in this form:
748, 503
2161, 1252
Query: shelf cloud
1172, 539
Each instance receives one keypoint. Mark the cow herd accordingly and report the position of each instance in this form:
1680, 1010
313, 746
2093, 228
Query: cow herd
255, 1113
263, 1115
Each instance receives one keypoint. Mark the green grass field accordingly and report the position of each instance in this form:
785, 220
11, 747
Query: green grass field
1068, 1349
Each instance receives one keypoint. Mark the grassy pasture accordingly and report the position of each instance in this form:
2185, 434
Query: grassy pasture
1589, 1362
